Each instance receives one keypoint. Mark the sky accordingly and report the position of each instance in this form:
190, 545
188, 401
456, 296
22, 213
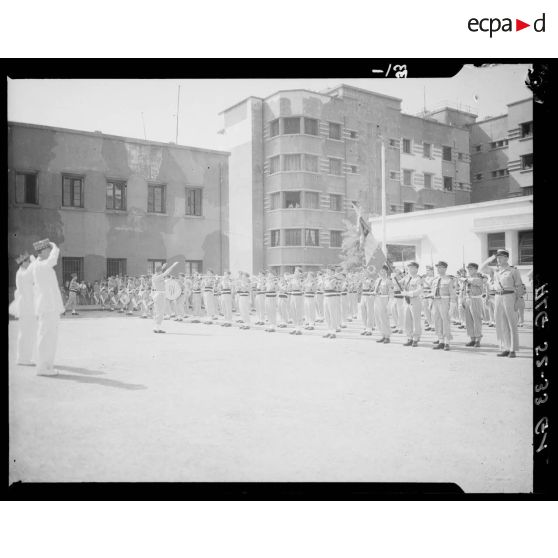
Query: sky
122, 107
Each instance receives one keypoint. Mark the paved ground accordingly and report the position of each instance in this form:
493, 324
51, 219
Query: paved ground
206, 403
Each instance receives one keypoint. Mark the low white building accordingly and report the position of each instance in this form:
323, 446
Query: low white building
463, 233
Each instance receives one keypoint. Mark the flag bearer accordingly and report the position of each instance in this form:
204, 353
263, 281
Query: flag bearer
383, 288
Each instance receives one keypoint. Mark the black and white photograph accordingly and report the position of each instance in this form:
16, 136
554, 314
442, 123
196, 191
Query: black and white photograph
273, 280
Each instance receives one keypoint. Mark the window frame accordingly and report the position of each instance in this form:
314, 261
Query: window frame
275, 238
80, 268
331, 236
444, 147
525, 168
410, 143
408, 204
410, 174
520, 259
271, 166
329, 131
272, 124
285, 158
530, 134
307, 195
291, 118
188, 266
338, 197
311, 156
286, 237
73, 177
337, 160
124, 199
194, 189
26, 174
310, 119
501, 243
284, 200
430, 176
444, 183
119, 262
152, 185
316, 234
429, 154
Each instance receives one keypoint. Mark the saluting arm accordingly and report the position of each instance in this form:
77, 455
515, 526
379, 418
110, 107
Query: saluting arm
484, 265
53, 256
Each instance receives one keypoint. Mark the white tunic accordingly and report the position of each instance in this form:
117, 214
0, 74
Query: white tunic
22, 304
46, 289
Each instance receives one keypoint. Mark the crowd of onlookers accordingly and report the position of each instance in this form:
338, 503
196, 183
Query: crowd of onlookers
84, 294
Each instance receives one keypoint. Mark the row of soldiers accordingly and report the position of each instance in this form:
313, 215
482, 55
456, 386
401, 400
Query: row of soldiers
305, 299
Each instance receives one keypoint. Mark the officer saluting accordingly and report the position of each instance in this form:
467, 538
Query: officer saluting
507, 282
412, 290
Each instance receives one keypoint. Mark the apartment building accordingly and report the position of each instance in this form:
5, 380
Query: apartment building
502, 154
300, 158
115, 205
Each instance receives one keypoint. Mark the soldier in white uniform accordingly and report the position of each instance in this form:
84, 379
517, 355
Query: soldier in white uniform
474, 287
331, 304
48, 305
443, 294
383, 288
412, 286
73, 290
158, 294
309, 287
271, 302
507, 281
226, 298
427, 298
244, 299
23, 309
367, 302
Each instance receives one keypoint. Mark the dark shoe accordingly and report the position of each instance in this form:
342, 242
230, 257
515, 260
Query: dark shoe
438, 346
415, 344
470, 344
326, 335
381, 340
333, 336
512, 354
446, 347
293, 332
503, 354
386, 340
364, 332
477, 343
408, 343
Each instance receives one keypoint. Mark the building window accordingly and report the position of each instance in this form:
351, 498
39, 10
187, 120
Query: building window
152, 264
460, 156
393, 209
428, 206
525, 248
72, 191
274, 164
478, 148
194, 201
393, 175
193, 266
26, 188
408, 207
335, 166
275, 238
69, 266
312, 200
311, 126
311, 163
116, 195
427, 180
526, 129
495, 242
527, 191
291, 200
312, 237
353, 134
155, 198
478, 176
274, 128
401, 252
394, 143
426, 150
291, 125
446, 153
335, 202
527, 161
406, 146
499, 143
335, 239
293, 237
276, 200
116, 266
292, 162
448, 183
407, 178
334, 131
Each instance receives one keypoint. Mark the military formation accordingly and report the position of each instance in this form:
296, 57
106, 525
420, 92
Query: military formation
387, 301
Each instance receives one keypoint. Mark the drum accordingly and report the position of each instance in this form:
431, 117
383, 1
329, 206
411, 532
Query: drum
172, 289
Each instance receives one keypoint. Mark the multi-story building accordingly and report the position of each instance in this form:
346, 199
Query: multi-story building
502, 154
300, 158
115, 205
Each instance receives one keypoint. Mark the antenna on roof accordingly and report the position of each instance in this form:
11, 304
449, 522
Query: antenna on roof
143, 122
177, 112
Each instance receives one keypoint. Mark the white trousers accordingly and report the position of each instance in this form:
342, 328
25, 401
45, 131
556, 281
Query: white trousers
159, 302
381, 314
47, 339
26, 338
226, 305
244, 303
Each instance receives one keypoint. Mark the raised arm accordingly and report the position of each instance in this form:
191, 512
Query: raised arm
484, 265
167, 271
52, 259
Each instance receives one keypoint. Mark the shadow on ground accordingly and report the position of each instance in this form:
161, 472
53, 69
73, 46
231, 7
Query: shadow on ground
89, 379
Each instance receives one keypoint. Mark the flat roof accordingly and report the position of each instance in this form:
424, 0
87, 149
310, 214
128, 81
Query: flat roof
528, 99
118, 138
464, 206
367, 91
434, 121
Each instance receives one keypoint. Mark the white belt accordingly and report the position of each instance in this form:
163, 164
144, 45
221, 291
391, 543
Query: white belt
475, 296
383, 296
438, 297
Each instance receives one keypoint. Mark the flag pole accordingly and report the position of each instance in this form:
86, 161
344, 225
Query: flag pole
384, 247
